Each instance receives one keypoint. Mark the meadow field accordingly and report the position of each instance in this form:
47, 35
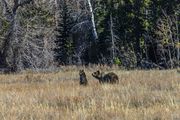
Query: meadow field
140, 95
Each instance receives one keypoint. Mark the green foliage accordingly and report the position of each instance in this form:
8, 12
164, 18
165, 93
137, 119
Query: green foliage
135, 23
5, 26
142, 28
117, 61
64, 43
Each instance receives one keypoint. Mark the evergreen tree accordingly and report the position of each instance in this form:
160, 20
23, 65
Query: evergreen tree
64, 41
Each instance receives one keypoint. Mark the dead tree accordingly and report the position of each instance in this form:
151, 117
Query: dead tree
27, 45
10, 14
166, 33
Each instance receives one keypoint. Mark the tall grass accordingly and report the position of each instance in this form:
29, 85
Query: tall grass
140, 95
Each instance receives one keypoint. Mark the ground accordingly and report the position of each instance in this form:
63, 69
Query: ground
140, 95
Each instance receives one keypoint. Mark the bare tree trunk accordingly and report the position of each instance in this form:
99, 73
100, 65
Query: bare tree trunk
93, 20
112, 38
57, 7
8, 44
177, 39
10, 14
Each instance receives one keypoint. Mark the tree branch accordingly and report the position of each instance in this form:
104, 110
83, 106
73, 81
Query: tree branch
6, 9
20, 3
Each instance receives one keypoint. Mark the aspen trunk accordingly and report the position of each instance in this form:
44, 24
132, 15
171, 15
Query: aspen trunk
92, 20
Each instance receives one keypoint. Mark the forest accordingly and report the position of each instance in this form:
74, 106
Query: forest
89, 59
132, 34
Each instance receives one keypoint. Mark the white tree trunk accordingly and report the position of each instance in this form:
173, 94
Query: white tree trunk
178, 42
112, 37
92, 20
57, 8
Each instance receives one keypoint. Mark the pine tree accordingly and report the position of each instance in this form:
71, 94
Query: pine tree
64, 41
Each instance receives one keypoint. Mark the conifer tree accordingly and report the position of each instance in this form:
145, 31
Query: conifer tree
64, 41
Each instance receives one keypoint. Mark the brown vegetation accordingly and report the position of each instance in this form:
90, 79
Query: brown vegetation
140, 95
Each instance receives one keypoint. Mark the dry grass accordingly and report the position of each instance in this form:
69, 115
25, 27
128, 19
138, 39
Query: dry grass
140, 95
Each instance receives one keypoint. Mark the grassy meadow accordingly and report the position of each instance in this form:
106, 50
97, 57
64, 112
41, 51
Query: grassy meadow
140, 95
